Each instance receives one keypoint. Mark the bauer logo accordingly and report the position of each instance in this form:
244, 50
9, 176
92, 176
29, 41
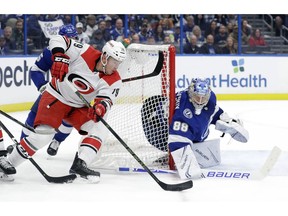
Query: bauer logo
231, 175
238, 66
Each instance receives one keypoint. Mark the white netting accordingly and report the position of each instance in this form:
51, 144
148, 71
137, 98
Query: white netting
144, 128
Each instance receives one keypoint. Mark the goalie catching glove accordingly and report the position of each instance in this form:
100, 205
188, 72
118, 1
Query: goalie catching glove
60, 65
232, 126
98, 109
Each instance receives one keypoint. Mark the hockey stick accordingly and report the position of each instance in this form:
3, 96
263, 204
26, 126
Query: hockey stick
50, 179
15, 120
168, 187
218, 174
156, 71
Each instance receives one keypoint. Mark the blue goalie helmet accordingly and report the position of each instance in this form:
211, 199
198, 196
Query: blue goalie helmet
68, 30
199, 93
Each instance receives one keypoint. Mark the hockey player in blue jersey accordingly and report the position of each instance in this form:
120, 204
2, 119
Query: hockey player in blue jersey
195, 110
40, 76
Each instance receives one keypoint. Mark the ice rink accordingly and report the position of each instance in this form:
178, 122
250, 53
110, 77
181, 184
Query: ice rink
133, 194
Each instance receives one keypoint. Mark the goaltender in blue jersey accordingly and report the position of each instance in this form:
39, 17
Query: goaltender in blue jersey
195, 110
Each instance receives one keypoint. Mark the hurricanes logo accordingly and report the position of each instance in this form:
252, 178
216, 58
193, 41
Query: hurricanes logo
82, 85
238, 66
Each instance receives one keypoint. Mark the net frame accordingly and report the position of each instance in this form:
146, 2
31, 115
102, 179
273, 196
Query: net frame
112, 154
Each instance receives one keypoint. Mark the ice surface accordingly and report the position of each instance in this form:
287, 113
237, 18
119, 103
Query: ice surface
133, 194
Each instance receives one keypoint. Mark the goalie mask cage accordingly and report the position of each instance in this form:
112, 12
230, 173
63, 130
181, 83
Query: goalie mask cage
143, 109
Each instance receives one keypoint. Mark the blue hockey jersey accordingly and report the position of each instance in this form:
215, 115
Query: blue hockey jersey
186, 127
39, 71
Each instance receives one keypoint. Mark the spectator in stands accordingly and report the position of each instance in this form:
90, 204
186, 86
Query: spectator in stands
212, 29
34, 30
189, 25
278, 22
159, 34
67, 19
200, 38
229, 48
229, 27
209, 47
151, 40
144, 33
91, 25
118, 33
82, 36
108, 21
234, 35
132, 25
135, 38
177, 31
3, 48
18, 35
167, 26
191, 46
257, 39
167, 40
246, 31
201, 22
97, 40
221, 36
105, 31
10, 44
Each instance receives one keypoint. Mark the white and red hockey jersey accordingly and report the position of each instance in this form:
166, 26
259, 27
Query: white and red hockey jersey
90, 83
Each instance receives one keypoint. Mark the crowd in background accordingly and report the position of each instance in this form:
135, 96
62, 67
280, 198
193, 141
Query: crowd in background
201, 34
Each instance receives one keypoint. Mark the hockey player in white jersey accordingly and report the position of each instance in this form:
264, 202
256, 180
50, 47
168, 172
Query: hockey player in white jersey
95, 76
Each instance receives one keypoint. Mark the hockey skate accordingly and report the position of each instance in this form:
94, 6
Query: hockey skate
6, 168
53, 147
79, 167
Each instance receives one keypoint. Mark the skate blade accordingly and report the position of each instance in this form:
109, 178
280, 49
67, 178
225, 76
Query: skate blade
6, 178
90, 179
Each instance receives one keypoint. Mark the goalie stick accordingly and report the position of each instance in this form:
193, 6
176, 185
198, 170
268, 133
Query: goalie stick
156, 71
164, 186
218, 174
50, 179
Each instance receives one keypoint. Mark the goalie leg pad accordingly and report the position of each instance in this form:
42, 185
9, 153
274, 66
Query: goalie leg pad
207, 153
186, 163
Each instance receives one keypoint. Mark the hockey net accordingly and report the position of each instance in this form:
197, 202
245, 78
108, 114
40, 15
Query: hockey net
148, 76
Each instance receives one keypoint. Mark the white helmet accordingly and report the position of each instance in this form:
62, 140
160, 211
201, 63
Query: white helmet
114, 49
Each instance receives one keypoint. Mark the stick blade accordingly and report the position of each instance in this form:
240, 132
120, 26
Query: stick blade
269, 164
61, 179
177, 187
